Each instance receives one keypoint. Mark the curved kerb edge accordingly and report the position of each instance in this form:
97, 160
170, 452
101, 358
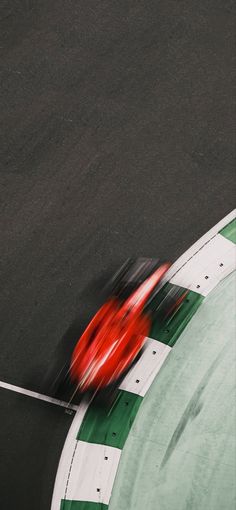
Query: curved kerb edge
92, 450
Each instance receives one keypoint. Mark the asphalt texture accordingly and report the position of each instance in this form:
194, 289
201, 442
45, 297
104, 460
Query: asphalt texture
117, 138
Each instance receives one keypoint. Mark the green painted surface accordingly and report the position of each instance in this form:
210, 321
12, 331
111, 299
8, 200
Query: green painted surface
230, 231
110, 427
169, 334
181, 453
67, 504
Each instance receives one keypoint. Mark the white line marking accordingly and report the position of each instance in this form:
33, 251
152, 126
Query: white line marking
39, 396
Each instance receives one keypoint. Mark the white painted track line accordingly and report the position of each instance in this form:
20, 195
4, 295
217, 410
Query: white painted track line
39, 396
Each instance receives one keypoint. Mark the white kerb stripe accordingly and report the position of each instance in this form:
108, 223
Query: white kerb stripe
191, 252
141, 376
93, 472
213, 262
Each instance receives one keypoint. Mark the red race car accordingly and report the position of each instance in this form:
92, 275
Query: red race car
113, 340
115, 336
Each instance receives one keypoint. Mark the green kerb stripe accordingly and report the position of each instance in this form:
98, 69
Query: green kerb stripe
230, 231
111, 428
170, 332
68, 504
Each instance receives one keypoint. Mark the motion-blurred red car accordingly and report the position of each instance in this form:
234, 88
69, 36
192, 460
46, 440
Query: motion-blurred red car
114, 338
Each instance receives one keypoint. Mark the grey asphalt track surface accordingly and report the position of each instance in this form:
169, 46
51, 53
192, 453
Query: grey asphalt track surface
117, 138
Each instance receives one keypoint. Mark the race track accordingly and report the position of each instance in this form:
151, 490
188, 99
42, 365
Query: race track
117, 138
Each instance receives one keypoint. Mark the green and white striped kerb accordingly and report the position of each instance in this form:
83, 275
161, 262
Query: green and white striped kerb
94, 444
